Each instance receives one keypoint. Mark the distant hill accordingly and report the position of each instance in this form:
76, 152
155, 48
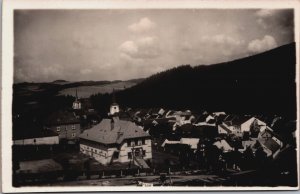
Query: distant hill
263, 83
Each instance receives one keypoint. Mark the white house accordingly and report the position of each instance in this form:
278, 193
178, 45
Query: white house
192, 142
114, 140
223, 145
238, 126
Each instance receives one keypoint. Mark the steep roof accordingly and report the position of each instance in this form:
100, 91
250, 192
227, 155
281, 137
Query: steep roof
108, 132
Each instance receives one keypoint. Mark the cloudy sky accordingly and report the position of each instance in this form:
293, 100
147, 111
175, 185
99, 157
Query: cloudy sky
125, 44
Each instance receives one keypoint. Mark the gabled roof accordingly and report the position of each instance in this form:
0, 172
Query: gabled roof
108, 132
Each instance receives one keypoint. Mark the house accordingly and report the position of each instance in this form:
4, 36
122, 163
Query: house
183, 118
239, 125
192, 142
114, 140
223, 145
269, 134
65, 124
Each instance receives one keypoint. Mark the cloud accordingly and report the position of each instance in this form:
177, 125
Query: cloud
144, 47
85, 71
282, 20
144, 25
259, 45
265, 12
129, 48
222, 39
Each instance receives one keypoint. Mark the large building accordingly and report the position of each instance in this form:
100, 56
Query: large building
114, 140
65, 124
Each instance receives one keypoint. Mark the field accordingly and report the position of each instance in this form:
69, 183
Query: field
87, 91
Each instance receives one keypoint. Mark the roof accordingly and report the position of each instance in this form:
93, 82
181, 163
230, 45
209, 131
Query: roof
61, 118
238, 120
223, 145
270, 144
225, 128
111, 131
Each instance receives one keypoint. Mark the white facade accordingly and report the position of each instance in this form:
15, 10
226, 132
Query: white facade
38, 141
107, 155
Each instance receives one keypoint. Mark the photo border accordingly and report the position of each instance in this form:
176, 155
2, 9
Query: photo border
8, 8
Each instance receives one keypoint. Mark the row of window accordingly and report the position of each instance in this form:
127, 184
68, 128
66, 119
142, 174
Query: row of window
132, 143
136, 154
96, 151
73, 127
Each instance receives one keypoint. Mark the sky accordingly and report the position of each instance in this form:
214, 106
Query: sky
77, 45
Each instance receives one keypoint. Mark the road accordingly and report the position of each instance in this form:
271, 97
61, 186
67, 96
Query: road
132, 181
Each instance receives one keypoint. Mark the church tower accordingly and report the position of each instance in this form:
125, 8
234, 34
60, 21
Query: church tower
76, 103
114, 107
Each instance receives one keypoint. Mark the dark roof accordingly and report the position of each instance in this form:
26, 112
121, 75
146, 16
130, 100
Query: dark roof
28, 134
111, 131
177, 146
238, 120
225, 128
270, 144
62, 118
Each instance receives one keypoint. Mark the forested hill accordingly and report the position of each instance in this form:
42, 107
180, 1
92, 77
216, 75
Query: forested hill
263, 83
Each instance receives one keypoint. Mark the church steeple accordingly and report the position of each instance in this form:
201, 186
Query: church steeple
76, 103
114, 107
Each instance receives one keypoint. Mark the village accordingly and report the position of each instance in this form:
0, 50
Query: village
77, 144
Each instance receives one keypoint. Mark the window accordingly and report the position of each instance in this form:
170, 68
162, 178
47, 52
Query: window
58, 129
73, 134
144, 152
140, 142
132, 143
116, 155
73, 127
143, 142
129, 155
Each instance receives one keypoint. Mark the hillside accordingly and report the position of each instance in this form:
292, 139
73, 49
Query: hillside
263, 84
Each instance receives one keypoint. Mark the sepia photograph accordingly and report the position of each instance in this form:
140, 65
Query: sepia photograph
107, 96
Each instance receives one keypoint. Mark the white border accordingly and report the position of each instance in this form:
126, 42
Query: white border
7, 74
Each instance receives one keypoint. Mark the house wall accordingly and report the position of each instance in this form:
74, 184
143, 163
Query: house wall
67, 131
38, 141
105, 155
96, 152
